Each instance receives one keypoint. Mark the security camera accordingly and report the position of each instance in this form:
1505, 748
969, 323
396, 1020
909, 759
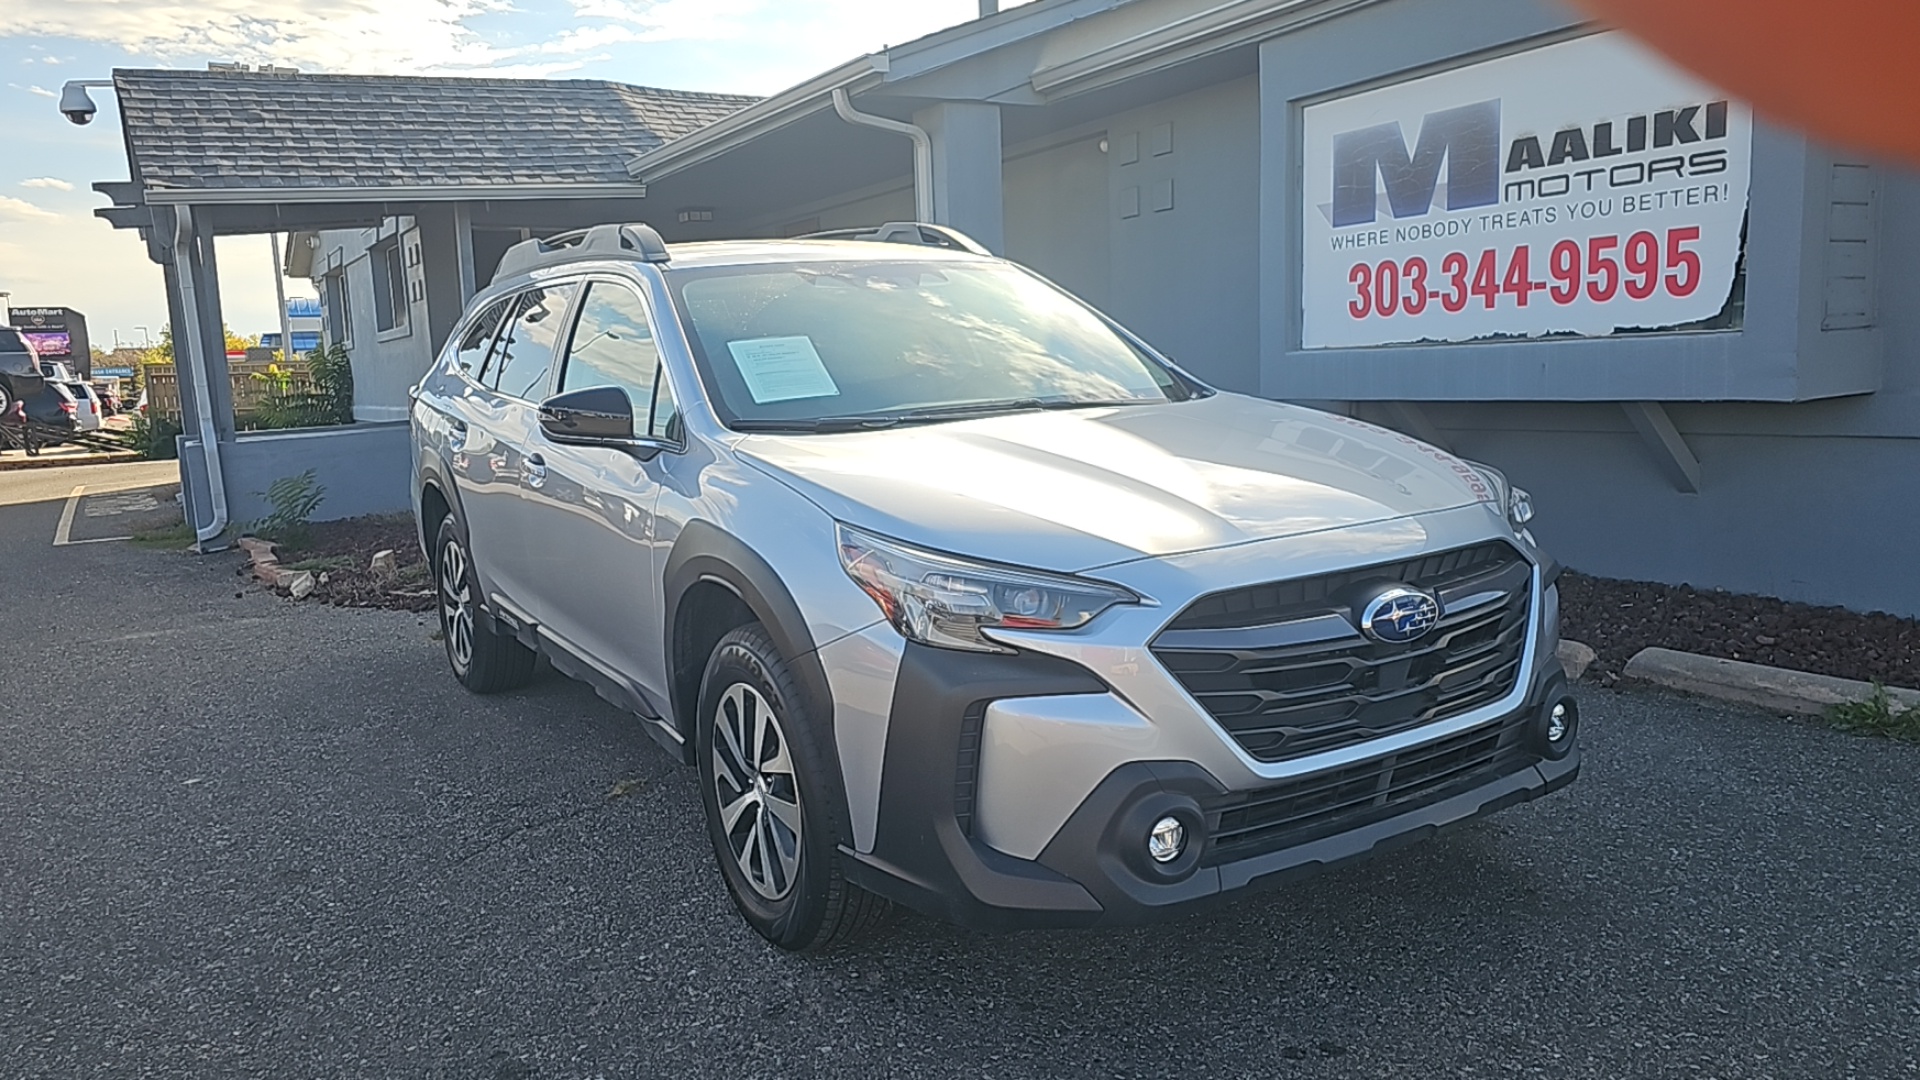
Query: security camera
75, 105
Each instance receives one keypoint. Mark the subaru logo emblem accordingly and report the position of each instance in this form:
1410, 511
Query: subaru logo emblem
1399, 615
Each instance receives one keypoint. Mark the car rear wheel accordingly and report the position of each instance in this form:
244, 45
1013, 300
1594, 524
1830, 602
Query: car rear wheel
765, 784
485, 660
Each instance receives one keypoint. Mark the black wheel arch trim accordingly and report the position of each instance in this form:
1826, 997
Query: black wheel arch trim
435, 474
704, 553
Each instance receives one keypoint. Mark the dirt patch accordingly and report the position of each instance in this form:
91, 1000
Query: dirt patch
1619, 618
340, 555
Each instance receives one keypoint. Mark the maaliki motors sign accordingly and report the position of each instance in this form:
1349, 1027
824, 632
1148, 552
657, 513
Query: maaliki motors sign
1583, 188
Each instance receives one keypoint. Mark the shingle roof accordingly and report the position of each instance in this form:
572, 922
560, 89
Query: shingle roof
236, 130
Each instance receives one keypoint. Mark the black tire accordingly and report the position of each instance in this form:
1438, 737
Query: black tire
6, 403
805, 905
485, 660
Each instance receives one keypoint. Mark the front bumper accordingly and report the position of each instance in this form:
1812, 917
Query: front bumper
928, 854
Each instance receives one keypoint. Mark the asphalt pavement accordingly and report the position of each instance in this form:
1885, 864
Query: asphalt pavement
245, 837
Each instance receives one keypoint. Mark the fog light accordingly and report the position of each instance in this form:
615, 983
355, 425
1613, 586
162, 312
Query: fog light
1167, 840
1557, 728
1557, 722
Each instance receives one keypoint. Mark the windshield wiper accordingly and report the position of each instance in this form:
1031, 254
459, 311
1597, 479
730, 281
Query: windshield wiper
971, 408
819, 425
1012, 405
1115, 403
930, 414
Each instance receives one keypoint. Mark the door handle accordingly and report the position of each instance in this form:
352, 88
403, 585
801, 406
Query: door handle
535, 471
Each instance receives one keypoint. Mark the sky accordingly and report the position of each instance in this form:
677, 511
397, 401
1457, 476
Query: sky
55, 253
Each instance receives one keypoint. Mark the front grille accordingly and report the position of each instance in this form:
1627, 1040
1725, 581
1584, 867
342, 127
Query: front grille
1283, 669
1246, 824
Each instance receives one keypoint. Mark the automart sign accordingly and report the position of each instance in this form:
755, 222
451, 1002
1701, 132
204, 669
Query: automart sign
1581, 188
46, 328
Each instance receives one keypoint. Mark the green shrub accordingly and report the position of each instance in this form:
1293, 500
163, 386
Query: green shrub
1877, 715
330, 401
152, 437
294, 499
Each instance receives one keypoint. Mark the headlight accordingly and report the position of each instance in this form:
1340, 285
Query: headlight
941, 600
1517, 503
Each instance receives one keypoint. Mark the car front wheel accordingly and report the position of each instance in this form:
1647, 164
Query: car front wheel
768, 799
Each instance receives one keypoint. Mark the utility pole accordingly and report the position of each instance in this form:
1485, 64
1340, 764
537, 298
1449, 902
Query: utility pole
280, 294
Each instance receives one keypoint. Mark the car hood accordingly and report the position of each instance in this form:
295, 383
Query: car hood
1084, 488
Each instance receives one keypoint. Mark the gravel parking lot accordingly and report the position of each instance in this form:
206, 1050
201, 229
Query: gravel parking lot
278, 840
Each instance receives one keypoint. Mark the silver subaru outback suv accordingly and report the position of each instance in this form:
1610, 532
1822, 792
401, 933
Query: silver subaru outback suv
957, 595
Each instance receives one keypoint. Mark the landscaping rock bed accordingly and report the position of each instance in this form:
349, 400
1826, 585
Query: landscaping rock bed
1619, 618
340, 554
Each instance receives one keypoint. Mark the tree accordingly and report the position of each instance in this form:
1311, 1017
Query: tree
163, 352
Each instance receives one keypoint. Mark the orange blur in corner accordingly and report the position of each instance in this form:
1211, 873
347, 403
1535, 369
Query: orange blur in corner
1844, 71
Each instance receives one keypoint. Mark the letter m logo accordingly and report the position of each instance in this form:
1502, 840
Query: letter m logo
1467, 139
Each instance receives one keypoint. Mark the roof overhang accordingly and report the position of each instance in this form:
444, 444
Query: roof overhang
446, 193
1090, 45
755, 120
1210, 30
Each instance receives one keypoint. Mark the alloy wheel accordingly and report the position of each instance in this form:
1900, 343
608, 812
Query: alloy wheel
755, 790
456, 604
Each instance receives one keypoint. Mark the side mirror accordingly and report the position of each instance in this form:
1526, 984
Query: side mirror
596, 416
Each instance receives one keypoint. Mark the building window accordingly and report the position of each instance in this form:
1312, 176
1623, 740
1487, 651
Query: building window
339, 313
390, 299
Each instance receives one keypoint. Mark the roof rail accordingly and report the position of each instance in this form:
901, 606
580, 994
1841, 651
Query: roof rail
907, 232
600, 241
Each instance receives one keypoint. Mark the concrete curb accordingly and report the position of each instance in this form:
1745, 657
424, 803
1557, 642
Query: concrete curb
1754, 684
49, 460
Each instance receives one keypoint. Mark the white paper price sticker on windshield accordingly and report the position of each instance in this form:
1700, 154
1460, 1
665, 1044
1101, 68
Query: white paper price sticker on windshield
782, 369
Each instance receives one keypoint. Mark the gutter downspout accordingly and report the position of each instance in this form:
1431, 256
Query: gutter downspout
922, 149
203, 408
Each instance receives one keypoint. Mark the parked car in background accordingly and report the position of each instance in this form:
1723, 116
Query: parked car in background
958, 595
54, 406
20, 377
89, 414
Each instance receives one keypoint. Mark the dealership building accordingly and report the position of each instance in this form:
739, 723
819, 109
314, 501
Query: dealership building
1491, 226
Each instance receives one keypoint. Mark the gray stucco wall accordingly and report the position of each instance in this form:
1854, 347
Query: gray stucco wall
1059, 215
365, 469
1188, 278
890, 202
386, 363
1158, 230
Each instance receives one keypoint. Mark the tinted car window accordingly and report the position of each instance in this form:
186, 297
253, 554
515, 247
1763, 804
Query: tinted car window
474, 343
525, 352
613, 346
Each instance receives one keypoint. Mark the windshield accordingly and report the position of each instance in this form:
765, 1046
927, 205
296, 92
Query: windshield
798, 343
